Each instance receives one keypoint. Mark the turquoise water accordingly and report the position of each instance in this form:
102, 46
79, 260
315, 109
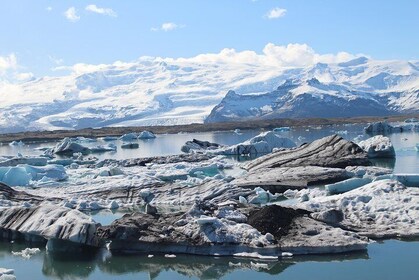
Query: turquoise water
391, 259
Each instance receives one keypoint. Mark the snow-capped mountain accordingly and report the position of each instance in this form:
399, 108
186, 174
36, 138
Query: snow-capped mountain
155, 91
359, 87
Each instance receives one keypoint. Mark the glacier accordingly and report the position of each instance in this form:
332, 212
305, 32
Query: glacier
165, 91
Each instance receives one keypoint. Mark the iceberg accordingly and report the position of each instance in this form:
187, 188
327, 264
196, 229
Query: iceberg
109, 138
22, 175
36, 161
130, 146
103, 148
378, 147
67, 147
146, 135
409, 180
263, 143
129, 137
347, 185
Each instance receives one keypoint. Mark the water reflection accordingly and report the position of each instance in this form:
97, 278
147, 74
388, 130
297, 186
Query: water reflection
94, 264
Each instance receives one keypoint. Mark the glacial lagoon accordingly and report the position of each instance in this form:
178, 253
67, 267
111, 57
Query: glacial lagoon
390, 259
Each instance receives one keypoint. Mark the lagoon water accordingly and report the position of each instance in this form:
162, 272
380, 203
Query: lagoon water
391, 259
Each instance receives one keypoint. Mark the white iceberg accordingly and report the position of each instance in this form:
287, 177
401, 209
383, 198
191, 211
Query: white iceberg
129, 137
146, 135
22, 175
378, 147
263, 143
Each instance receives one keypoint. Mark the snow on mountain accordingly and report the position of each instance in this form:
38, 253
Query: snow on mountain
359, 87
156, 91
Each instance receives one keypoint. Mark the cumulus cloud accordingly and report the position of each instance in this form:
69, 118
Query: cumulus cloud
49, 8
102, 11
168, 26
10, 70
291, 55
276, 13
277, 56
7, 63
71, 14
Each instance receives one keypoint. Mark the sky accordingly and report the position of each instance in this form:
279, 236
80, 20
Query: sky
39, 37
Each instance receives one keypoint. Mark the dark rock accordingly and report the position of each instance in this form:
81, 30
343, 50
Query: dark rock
274, 219
331, 151
283, 178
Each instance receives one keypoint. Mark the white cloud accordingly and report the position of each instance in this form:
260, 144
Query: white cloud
22, 77
56, 61
8, 63
168, 26
276, 13
291, 55
49, 8
71, 14
102, 11
276, 56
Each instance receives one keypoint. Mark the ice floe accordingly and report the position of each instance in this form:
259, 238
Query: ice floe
384, 208
378, 147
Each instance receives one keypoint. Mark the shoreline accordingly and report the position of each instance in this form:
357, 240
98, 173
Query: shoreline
53, 135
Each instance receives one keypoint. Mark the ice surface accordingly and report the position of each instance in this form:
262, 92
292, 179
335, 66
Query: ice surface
384, 208
146, 135
378, 147
347, 185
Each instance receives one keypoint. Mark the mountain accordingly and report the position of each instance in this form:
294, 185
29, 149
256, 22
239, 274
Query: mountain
359, 87
155, 91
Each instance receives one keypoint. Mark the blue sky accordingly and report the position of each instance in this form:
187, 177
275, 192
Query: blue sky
41, 35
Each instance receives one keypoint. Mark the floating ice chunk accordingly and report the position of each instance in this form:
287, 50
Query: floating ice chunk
150, 256
261, 144
286, 254
109, 138
36, 161
113, 205
378, 147
67, 147
381, 127
411, 120
170, 256
15, 176
237, 131
255, 256
409, 180
417, 147
281, 129
52, 171
262, 196
103, 148
128, 137
130, 146
347, 185
27, 253
16, 143
146, 135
